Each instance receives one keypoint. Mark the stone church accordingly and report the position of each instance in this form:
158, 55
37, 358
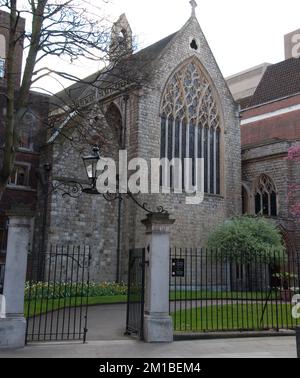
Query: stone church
168, 100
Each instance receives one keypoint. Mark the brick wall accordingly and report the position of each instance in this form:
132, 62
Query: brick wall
285, 126
4, 30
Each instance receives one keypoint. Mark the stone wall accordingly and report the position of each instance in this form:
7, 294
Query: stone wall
93, 221
193, 223
271, 159
4, 31
84, 220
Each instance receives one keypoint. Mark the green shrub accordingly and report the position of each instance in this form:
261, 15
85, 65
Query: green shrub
248, 239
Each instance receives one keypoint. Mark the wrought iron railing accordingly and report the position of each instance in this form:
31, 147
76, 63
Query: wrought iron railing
2, 271
213, 291
3, 236
56, 296
135, 299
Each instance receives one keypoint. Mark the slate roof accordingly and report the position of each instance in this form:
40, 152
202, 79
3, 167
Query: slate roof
153, 51
138, 64
244, 102
280, 80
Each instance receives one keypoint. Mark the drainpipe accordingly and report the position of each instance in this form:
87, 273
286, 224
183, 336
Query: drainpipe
45, 184
123, 146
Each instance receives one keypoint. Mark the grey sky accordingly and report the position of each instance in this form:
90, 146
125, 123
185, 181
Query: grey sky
241, 34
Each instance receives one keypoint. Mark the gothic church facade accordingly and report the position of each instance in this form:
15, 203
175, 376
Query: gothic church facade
181, 108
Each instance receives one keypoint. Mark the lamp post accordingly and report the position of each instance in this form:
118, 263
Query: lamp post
75, 189
90, 164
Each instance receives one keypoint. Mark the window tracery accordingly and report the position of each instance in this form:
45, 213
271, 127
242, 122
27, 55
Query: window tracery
190, 122
265, 196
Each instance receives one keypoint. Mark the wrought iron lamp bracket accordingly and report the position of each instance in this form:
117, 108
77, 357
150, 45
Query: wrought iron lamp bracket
75, 189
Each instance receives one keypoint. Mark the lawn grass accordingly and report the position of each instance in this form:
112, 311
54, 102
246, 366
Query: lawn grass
42, 306
212, 295
234, 317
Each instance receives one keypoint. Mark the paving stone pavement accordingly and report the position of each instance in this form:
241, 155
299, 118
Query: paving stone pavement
106, 340
272, 347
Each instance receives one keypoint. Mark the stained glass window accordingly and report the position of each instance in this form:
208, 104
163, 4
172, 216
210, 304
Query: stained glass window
190, 119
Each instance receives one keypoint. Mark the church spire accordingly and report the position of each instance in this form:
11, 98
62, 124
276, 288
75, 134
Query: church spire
194, 6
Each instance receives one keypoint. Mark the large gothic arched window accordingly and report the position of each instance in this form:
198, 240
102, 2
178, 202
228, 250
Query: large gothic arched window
190, 123
265, 196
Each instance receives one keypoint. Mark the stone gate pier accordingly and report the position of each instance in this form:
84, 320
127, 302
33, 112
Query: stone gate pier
13, 325
158, 325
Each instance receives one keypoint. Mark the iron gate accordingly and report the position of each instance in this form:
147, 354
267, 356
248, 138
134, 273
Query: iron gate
2, 271
135, 299
56, 295
212, 291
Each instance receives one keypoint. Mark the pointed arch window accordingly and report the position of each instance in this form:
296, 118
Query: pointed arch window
265, 196
190, 123
114, 120
26, 131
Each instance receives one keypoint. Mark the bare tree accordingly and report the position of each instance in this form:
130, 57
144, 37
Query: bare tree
61, 29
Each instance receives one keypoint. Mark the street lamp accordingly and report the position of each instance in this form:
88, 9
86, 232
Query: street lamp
75, 189
90, 164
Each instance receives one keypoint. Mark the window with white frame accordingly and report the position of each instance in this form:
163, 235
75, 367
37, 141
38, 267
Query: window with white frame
20, 175
190, 123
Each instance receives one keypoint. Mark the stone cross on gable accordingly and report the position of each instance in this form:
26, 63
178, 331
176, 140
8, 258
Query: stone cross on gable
194, 6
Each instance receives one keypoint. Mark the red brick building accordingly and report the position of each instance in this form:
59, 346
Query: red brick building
270, 126
23, 185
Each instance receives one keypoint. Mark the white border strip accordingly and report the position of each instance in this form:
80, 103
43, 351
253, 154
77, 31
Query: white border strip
271, 114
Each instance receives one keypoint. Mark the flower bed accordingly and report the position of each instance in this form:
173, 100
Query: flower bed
42, 290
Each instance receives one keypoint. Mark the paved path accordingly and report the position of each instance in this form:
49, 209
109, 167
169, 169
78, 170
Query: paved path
106, 340
106, 322
272, 347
